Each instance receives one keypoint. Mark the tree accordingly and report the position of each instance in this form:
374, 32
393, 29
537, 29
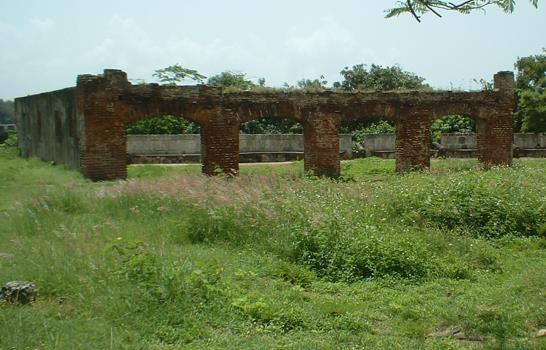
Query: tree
176, 74
233, 80
7, 112
420, 7
379, 78
171, 75
530, 114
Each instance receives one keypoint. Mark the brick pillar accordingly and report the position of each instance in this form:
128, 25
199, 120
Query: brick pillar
321, 144
103, 139
413, 142
494, 128
220, 142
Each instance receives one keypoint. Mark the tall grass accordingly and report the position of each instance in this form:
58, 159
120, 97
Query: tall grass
275, 260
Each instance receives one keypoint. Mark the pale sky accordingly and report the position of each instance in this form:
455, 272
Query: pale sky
44, 45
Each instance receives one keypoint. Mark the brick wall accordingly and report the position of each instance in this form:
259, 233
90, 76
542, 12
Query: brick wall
106, 104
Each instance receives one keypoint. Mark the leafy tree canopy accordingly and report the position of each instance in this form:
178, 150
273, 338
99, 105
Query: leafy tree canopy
531, 72
420, 7
379, 78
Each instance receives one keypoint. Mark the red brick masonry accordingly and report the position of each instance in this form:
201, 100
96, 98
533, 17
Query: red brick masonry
105, 104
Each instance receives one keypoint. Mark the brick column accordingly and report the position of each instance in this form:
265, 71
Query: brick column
321, 144
103, 139
413, 142
220, 142
494, 128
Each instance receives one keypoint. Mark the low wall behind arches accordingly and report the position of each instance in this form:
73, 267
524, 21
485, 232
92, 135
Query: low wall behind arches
384, 143
248, 143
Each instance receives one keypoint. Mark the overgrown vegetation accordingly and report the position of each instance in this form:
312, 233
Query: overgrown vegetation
452, 258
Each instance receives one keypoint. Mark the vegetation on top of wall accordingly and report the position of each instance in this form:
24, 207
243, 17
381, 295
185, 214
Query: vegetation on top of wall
529, 117
234, 81
379, 78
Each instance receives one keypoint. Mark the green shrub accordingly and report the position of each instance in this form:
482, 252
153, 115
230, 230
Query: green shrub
11, 141
343, 254
480, 202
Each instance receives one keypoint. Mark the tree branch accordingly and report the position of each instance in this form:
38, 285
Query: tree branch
410, 6
419, 7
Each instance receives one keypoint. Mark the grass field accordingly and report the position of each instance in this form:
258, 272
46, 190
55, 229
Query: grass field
451, 258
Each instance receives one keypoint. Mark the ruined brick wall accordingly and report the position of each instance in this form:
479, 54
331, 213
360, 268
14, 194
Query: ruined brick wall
106, 104
49, 127
494, 127
104, 141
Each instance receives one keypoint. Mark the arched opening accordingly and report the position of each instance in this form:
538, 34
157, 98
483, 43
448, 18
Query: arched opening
166, 139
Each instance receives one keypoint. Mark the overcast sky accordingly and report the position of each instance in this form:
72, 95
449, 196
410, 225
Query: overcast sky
44, 45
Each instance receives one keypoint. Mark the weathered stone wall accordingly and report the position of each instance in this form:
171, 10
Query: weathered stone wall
49, 127
530, 140
468, 141
107, 103
163, 144
459, 141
